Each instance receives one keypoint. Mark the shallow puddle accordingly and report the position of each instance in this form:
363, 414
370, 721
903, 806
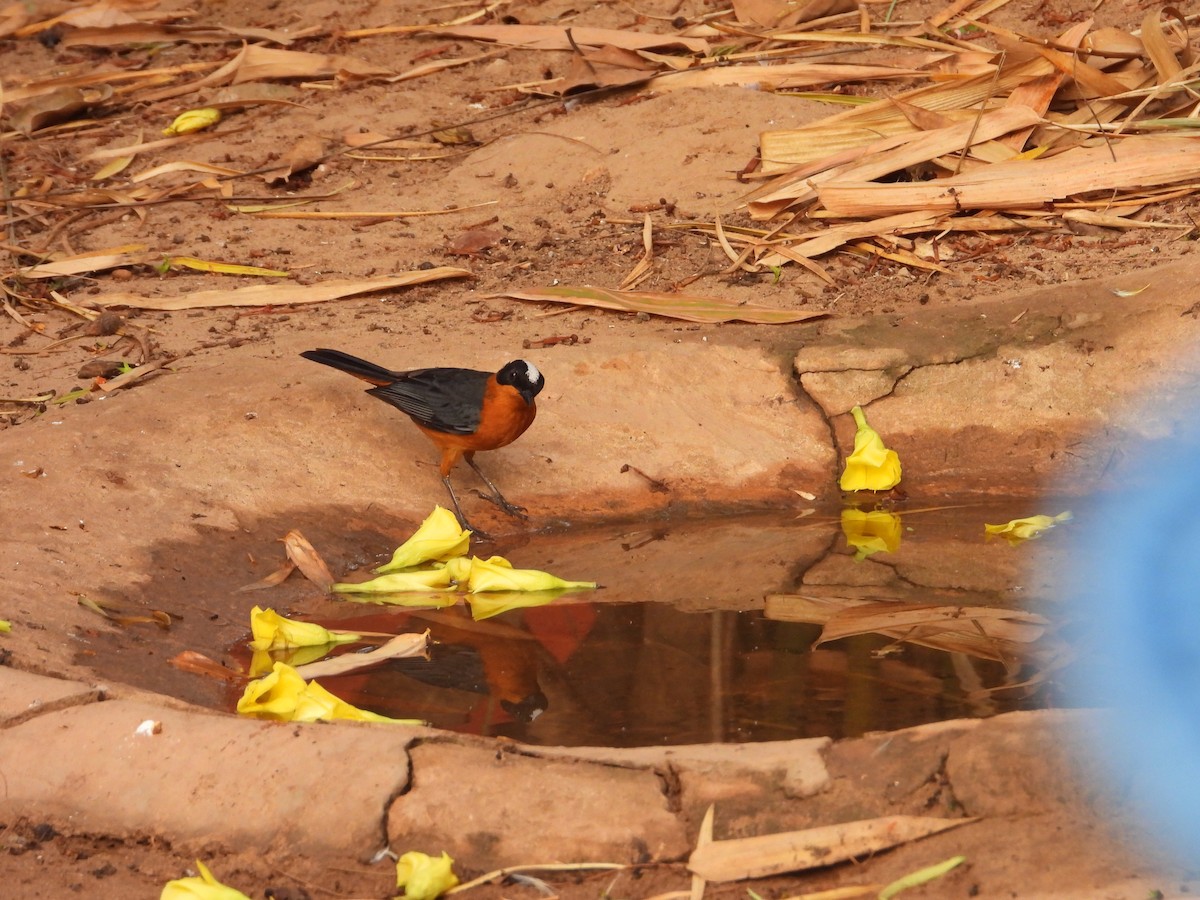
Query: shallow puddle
702, 631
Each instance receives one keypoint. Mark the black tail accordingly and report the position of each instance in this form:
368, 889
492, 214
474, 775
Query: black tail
359, 368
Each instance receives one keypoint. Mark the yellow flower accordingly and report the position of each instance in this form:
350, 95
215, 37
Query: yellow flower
193, 120
273, 632
459, 569
440, 537
399, 582
484, 606
497, 574
875, 531
1028, 528
424, 877
5, 626
410, 600
200, 887
285, 696
871, 466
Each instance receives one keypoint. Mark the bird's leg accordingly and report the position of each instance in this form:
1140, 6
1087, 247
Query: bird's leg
462, 520
517, 512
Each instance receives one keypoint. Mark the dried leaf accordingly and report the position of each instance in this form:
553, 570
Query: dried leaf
280, 294
56, 106
402, 646
1140, 162
240, 96
895, 154
368, 214
1007, 625
1133, 292
150, 33
259, 63
554, 37
199, 664
117, 164
94, 261
688, 307
921, 876
134, 375
777, 77
454, 135
474, 241
606, 67
183, 165
794, 851
864, 125
303, 155
764, 13
307, 560
278, 577
1157, 48
13, 17
122, 616
439, 65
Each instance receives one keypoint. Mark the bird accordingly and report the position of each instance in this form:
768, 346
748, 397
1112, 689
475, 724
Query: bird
462, 411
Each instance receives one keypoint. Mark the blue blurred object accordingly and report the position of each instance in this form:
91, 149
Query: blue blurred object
1136, 586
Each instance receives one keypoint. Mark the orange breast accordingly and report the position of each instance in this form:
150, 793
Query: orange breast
505, 417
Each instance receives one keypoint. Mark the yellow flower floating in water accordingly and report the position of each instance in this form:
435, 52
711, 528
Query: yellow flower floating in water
873, 531
285, 696
484, 606
399, 582
1019, 530
439, 538
442, 544
200, 887
425, 877
273, 632
871, 466
497, 574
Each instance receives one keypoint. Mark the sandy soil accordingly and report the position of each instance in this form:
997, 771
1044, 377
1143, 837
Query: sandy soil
543, 192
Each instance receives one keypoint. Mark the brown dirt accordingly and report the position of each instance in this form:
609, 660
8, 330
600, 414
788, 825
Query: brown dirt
570, 185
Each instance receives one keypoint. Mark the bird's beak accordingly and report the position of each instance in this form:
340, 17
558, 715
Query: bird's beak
528, 396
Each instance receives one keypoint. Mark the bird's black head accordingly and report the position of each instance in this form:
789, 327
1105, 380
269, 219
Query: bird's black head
524, 376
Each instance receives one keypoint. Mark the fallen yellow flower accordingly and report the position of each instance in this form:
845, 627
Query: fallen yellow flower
193, 120
871, 466
439, 538
273, 632
458, 569
873, 531
261, 662
284, 696
5, 626
1028, 528
422, 599
200, 887
484, 606
399, 582
497, 574
424, 877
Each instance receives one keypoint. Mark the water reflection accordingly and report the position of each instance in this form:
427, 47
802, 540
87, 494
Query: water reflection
711, 632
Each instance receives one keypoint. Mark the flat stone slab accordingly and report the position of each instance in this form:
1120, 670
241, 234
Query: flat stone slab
199, 778
517, 808
24, 695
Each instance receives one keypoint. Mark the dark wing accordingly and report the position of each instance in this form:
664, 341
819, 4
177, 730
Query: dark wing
447, 400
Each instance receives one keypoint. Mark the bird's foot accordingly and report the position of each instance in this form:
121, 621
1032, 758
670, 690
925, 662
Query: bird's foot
517, 512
